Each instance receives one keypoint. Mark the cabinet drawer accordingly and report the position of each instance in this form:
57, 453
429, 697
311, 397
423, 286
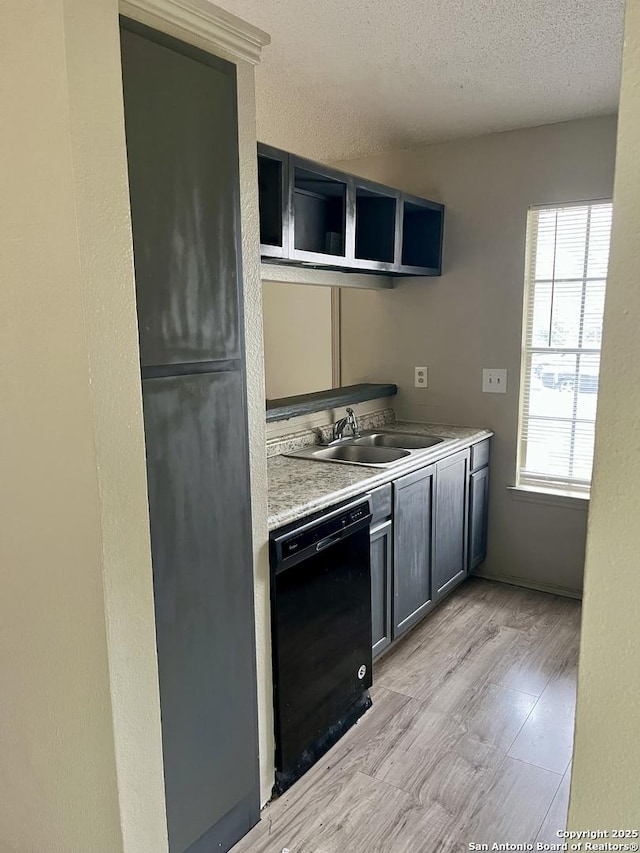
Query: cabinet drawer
381, 503
480, 455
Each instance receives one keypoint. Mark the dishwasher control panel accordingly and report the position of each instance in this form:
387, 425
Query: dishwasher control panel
297, 539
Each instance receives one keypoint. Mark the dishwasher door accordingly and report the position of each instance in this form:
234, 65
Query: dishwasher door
321, 628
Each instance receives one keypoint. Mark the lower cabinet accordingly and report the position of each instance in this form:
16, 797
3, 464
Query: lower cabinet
427, 539
381, 585
203, 589
478, 512
412, 548
450, 523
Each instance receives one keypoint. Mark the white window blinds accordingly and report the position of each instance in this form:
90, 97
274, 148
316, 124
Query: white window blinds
567, 256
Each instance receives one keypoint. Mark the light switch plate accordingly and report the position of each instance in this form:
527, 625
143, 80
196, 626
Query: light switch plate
494, 380
421, 377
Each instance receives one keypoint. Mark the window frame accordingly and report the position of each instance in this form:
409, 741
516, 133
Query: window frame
547, 485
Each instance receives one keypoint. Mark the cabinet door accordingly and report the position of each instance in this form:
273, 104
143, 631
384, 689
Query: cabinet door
203, 588
182, 148
478, 516
381, 581
451, 504
412, 548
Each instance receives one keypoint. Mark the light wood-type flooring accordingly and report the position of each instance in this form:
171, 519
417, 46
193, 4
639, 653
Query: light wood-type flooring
469, 738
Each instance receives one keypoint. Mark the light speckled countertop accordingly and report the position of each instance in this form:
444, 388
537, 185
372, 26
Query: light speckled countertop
298, 487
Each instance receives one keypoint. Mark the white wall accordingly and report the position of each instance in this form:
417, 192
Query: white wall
604, 788
298, 345
471, 317
254, 356
81, 766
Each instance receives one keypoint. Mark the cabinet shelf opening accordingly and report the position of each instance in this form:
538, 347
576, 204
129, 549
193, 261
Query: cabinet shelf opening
421, 236
270, 184
375, 226
319, 213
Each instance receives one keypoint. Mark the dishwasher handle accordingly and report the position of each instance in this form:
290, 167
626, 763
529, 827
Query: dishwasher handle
329, 541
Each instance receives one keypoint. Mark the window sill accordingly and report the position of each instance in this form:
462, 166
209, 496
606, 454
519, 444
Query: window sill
568, 500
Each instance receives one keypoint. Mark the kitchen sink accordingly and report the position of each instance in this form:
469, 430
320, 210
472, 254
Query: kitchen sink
398, 439
375, 449
360, 454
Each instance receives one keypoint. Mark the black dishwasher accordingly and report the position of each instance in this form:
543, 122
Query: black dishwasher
321, 632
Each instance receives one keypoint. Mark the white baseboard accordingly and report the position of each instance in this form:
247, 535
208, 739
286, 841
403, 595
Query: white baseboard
529, 584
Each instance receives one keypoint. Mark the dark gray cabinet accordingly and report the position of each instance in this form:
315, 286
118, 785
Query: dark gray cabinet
478, 516
181, 110
438, 532
181, 129
311, 214
381, 585
201, 551
450, 511
412, 550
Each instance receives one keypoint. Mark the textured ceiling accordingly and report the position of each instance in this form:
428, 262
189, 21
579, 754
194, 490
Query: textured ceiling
343, 78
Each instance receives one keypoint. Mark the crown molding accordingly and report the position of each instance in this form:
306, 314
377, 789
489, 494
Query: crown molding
219, 29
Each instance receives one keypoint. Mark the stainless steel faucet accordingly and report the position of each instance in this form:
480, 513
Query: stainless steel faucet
340, 426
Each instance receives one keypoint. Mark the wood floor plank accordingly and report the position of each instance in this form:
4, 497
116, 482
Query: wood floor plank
360, 819
513, 806
377, 735
450, 779
407, 659
287, 820
556, 818
496, 714
533, 658
561, 687
468, 648
546, 738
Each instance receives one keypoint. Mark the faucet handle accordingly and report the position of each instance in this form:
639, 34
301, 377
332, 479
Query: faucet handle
352, 421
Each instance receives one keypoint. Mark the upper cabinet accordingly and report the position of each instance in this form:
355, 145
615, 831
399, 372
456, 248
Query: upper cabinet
182, 150
313, 215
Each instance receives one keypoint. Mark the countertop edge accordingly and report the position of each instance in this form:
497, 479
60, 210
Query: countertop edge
378, 478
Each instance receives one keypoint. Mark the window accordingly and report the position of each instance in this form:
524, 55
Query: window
567, 256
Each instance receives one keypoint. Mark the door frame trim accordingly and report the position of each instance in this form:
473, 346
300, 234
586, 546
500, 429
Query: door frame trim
216, 29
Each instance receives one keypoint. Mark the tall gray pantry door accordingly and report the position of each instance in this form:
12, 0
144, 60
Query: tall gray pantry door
181, 127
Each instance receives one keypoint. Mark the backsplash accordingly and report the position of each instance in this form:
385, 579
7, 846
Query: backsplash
323, 434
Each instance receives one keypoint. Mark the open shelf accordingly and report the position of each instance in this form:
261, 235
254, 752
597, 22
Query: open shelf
421, 235
375, 226
319, 401
319, 209
315, 216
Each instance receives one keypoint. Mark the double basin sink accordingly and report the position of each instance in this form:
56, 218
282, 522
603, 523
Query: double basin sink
379, 449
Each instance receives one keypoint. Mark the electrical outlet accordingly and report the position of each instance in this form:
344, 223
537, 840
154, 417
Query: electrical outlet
494, 380
420, 379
